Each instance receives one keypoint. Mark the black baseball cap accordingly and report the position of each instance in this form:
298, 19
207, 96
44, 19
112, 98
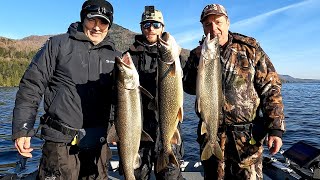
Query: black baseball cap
97, 8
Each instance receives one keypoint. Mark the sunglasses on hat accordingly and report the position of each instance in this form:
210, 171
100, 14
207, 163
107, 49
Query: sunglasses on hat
98, 10
147, 25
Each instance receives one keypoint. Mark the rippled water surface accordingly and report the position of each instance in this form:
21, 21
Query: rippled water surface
302, 111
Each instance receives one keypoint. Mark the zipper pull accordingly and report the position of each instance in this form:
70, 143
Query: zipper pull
75, 140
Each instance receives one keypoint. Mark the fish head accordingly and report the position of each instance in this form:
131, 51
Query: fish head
210, 47
127, 75
168, 47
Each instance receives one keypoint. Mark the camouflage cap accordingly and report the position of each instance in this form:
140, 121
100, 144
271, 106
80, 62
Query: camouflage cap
150, 14
213, 9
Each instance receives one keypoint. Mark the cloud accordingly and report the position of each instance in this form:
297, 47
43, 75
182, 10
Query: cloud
261, 19
189, 39
287, 34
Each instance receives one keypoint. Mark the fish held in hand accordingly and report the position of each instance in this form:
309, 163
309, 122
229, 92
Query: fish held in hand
128, 131
169, 100
209, 96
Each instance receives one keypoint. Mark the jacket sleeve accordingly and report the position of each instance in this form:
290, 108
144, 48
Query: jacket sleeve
268, 85
190, 73
31, 89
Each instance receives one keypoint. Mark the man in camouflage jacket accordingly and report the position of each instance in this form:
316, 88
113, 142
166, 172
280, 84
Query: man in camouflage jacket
252, 105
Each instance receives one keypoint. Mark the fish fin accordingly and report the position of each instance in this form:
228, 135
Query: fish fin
112, 135
145, 136
203, 128
164, 160
198, 105
152, 105
146, 92
172, 69
180, 114
137, 162
176, 138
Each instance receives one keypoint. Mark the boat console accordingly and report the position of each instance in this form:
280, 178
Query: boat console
301, 161
306, 157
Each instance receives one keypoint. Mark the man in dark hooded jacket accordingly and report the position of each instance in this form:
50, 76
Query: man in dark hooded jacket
145, 54
74, 73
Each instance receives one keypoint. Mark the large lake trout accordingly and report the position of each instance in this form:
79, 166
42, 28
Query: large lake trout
169, 100
128, 123
209, 96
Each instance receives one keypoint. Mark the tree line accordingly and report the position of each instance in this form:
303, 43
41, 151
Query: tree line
15, 55
11, 71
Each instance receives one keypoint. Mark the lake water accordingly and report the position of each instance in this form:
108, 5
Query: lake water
302, 112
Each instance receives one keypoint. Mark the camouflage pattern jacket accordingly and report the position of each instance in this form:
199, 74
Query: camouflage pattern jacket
251, 86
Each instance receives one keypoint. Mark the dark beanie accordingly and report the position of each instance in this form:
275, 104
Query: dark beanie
94, 7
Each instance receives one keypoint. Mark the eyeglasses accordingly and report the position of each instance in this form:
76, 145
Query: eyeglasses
101, 23
155, 25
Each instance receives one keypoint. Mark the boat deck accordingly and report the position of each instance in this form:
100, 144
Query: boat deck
272, 170
190, 171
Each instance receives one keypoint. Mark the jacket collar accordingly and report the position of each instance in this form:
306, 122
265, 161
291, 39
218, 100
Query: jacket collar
140, 46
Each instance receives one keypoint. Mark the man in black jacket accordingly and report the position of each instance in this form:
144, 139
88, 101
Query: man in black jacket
74, 73
145, 54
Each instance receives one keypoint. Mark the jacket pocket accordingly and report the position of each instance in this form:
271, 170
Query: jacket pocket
243, 61
247, 151
66, 107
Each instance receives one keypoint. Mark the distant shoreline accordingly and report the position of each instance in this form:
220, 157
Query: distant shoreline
284, 82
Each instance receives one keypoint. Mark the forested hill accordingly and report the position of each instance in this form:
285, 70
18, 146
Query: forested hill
15, 55
289, 79
26, 47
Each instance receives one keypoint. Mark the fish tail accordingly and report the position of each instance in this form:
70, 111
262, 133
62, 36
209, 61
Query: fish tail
173, 159
112, 135
209, 150
164, 160
217, 151
137, 162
